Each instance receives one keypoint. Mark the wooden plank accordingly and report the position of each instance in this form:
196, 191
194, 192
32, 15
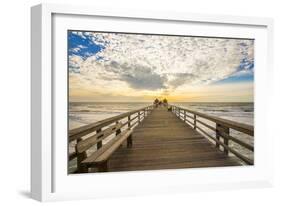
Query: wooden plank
171, 165
105, 156
162, 141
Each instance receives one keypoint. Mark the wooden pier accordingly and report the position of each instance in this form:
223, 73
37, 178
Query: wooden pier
158, 138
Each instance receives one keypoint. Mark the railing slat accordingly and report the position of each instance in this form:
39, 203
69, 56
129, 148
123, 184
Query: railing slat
91, 141
242, 157
238, 141
224, 135
189, 122
97, 153
245, 128
206, 125
84, 130
222, 130
191, 117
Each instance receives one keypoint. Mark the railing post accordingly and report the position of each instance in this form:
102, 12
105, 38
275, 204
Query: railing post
80, 157
139, 117
129, 139
217, 134
118, 131
129, 121
184, 116
225, 141
99, 144
220, 128
194, 123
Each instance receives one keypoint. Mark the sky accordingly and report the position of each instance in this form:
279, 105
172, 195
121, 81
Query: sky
119, 67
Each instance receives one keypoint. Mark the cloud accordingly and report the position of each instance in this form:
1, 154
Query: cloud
143, 78
154, 62
75, 63
175, 80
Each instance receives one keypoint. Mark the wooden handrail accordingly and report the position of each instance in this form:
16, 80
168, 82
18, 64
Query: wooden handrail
221, 130
225, 146
98, 137
84, 130
245, 128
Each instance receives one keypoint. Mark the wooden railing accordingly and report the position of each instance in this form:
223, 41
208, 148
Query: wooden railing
221, 130
93, 135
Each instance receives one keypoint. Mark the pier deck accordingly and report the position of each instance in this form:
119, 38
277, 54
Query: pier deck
163, 141
163, 137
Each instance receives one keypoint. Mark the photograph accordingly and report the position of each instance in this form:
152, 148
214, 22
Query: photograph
145, 101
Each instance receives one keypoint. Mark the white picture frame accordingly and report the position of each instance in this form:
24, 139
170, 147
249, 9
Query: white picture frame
49, 178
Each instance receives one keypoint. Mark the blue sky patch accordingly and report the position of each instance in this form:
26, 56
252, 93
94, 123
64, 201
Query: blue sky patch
81, 44
237, 79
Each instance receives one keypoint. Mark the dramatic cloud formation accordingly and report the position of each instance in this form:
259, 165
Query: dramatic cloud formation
114, 63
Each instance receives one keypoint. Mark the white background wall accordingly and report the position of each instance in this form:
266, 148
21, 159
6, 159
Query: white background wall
15, 95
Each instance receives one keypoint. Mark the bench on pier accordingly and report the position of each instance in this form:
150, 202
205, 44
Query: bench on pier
118, 129
100, 158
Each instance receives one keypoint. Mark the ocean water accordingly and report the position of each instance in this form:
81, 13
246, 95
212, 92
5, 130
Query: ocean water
82, 113
239, 112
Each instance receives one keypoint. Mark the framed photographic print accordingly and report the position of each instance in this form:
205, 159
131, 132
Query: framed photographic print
137, 102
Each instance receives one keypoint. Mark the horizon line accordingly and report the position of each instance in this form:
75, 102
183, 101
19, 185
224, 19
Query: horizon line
152, 102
